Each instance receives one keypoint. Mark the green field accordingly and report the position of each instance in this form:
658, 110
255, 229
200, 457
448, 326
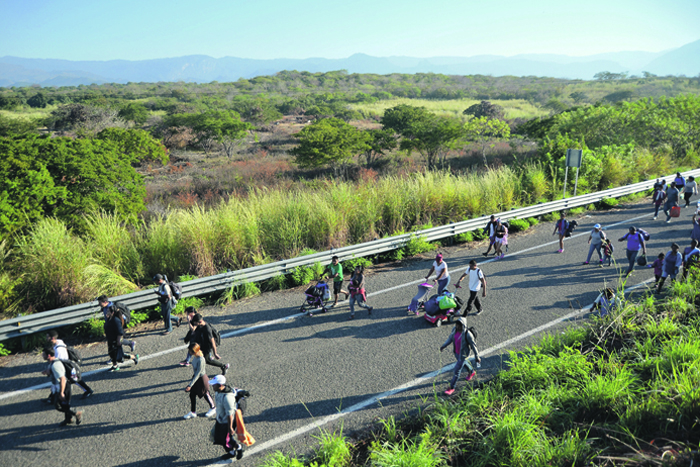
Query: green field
516, 108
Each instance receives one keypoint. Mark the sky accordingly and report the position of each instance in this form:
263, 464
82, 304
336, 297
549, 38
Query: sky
266, 29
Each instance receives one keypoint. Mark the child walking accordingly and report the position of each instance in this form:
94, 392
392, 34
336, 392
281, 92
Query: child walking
463, 343
658, 266
608, 250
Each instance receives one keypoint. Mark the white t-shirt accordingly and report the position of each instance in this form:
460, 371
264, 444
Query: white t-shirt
60, 349
438, 269
475, 276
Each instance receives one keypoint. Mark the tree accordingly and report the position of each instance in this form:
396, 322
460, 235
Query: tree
578, 97
618, 96
134, 112
485, 109
378, 141
402, 118
17, 126
329, 141
222, 126
483, 130
37, 101
136, 145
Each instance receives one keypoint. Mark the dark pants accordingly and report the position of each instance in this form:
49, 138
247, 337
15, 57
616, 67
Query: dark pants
656, 210
64, 405
210, 361
166, 310
473, 298
686, 197
632, 258
459, 367
84, 385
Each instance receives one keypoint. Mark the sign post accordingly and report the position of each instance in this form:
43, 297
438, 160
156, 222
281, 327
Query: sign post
574, 158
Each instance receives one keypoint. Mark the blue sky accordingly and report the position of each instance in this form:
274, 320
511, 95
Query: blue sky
263, 29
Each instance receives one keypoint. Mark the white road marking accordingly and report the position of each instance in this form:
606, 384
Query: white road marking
298, 315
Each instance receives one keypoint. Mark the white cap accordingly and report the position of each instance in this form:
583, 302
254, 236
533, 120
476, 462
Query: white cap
597, 226
218, 379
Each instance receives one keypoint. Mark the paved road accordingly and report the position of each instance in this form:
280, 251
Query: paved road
303, 369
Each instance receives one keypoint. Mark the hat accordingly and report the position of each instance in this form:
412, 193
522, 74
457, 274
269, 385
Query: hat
218, 379
597, 226
438, 256
157, 277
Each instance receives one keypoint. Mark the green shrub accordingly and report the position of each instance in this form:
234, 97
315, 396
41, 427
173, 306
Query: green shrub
302, 275
185, 302
333, 450
4, 351
405, 454
608, 203
533, 221
465, 237
138, 317
238, 291
417, 245
518, 225
349, 265
93, 327
278, 459
185, 278
278, 282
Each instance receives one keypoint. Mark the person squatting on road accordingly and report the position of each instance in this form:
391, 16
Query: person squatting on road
635, 242
442, 275
691, 188
61, 388
189, 314
490, 230
595, 240
560, 228
672, 195
114, 332
61, 352
462, 341
357, 292
225, 427
477, 281
199, 384
672, 265
606, 302
167, 303
335, 272
658, 198
204, 336
106, 304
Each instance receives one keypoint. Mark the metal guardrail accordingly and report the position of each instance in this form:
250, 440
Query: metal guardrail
43, 321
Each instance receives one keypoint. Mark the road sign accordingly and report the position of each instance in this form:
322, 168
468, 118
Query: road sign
574, 157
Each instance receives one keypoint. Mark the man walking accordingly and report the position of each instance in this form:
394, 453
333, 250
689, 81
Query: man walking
165, 297
490, 230
114, 333
477, 281
672, 196
61, 388
61, 352
204, 336
335, 272
106, 306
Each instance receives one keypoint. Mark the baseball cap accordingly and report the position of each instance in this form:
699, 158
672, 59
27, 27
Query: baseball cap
218, 379
157, 277
439, 256
597, 226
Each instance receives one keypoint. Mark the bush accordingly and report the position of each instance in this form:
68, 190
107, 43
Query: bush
533, 221
302, 275
464, 237
3, 351
278, 282
417, 245
94, 327
185, 302
350, 264
518, 225
238, 291
608, 203
139, 317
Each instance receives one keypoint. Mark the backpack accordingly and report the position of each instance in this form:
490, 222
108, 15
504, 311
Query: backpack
645, 234
73, 374
73, 354
473, 331
175, 288
126, 312
215, 333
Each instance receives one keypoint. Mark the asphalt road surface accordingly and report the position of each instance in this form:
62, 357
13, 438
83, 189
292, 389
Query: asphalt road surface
322, 370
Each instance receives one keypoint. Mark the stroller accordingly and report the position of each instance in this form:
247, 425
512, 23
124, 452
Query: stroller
417, 301
317, 296
442, 308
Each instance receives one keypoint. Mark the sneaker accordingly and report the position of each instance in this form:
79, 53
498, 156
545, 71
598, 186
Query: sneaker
369, 310
503, 255
211, 413
239, 453
668, 221
88, 394
79, 418
190, 415
585, 262
133, 346
351, 317
600, 265
333, 305
136, 360
108, 362
653, 218
228, 456
225, 368
485, 254
165, 333
449, 392
559, 251
178, 322
472, 375
184, 363
478, 312
66, 422
114, 368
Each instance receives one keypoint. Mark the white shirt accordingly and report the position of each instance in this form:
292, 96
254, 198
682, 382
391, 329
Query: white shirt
60, 349
475, 276
438, 269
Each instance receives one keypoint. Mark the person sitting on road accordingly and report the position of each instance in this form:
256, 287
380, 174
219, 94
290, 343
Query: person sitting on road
204, 336
606, 302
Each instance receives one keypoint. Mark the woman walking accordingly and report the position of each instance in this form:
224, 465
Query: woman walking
560, 228
672, 265
463, 343
672, 195
691, 188
658, 199
442, 275
695, 233
635, 242
595, 240
199, 384
357, 292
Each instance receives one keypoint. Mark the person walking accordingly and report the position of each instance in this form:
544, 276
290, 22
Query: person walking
204, 336
560, 228
501, 238
679, 181
608, 250
199, 384
691, 188
114, 333
357, 292
477, 281
442, 275
61, 388
658, 266
225, 426
61, 352
695, 233
672, 265
490, 230
672, 195
189, 314
167, 303
105, 305
635, 242
595, 240
335, 272
463, 343
691, 257
658, 198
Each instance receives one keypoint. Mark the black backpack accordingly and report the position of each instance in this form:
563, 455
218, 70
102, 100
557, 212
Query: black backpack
73, 354
644, 234
73, 373
215, 333
126, 312
175, 288
473, 331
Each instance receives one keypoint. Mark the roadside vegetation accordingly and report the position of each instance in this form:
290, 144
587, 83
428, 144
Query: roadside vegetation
623, 389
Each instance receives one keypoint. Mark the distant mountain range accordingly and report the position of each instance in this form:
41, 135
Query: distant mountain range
15, 71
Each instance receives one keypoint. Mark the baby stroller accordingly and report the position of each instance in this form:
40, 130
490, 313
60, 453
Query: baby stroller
417, 301
442, 308
317, 296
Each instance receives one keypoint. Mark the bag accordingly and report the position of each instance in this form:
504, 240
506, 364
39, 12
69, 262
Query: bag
446, 302
175, 288
675, 211
645, 234
642, 260
325, 291
73, 354
215, 333
126, 312
473, 331
570, 227
73, 374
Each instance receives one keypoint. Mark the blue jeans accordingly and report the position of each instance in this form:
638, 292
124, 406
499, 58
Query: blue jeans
442, 284
360, 302
632, 258
459, 366
166, 310
596, 247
